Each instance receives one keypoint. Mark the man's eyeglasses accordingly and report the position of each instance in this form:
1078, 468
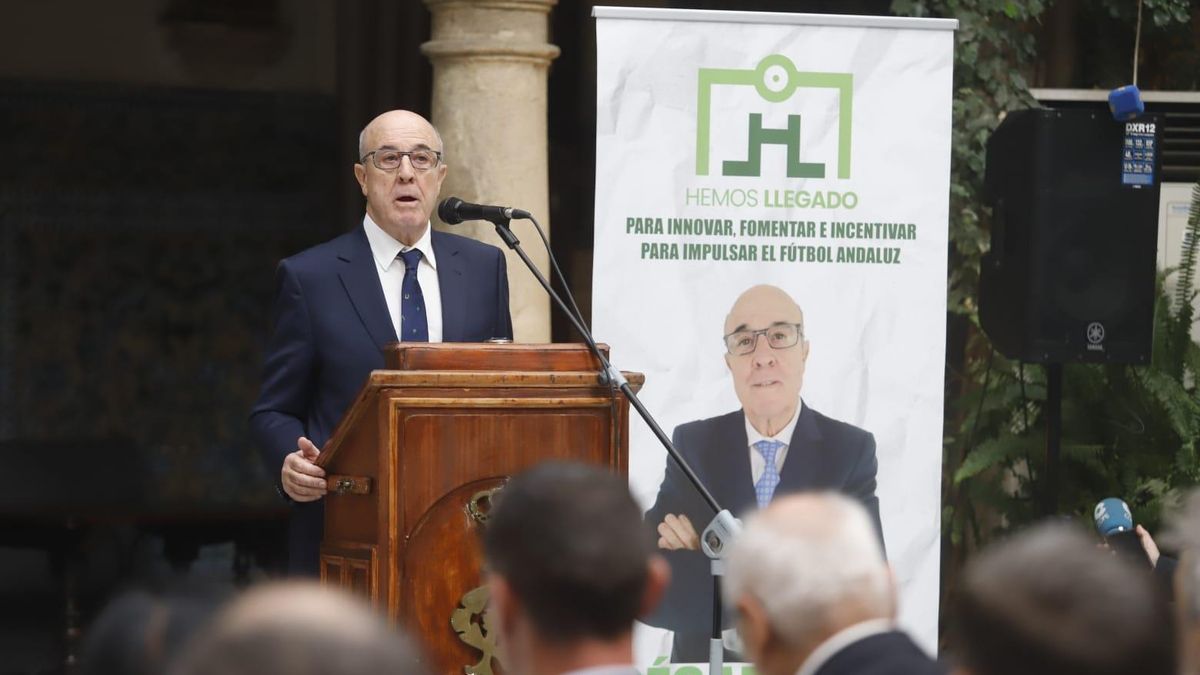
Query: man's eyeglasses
389, 160
779, 336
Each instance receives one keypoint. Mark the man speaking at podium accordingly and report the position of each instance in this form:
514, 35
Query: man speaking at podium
774, 445
339, 303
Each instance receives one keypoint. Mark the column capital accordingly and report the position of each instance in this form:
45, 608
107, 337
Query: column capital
481, 50
543, 6
490, 30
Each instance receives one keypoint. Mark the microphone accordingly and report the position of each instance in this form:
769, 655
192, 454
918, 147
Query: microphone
1114, 522
453, 211
1112, 515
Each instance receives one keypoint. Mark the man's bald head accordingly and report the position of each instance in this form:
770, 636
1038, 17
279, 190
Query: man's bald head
766, 353
1184, 536
392, 118
292, 606
760, 300
1047, 601
300, 628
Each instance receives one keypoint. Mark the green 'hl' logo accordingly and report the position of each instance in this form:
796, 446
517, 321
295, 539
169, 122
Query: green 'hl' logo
776, 80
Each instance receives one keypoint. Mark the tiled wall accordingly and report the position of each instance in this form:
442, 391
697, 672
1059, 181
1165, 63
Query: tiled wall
139, 231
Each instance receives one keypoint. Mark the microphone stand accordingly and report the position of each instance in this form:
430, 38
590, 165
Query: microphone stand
723, 528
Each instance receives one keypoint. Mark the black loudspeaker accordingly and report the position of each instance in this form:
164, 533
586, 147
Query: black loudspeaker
1070, 273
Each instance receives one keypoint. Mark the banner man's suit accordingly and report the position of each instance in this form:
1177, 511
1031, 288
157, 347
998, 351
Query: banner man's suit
825, 454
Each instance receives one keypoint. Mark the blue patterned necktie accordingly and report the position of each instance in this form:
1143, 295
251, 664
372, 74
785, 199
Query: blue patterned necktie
413, 325
765, 487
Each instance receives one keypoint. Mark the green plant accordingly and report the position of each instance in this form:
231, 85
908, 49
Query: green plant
994, 48
1157, 12
1127, 432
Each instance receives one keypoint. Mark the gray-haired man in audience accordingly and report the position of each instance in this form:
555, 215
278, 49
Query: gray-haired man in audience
814, 594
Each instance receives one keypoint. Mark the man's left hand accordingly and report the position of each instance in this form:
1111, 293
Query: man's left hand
675, 533
1148, 544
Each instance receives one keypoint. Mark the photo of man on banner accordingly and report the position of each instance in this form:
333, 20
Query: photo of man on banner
774, 445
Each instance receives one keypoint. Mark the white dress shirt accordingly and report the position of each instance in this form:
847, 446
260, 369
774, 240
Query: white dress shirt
385, 250
839, 641
758, 463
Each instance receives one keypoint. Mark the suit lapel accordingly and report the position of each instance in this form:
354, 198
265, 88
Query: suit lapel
805, 460
361, 283
734, 468
453, 285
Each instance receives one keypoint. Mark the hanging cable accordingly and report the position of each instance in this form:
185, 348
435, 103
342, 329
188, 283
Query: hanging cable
1137, 42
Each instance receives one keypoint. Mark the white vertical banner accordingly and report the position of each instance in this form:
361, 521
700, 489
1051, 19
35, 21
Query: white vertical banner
806, 159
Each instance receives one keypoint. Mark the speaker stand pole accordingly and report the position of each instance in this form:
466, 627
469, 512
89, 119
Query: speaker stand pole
1054, 381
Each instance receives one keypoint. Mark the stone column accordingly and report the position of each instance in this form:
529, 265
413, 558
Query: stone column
490, 67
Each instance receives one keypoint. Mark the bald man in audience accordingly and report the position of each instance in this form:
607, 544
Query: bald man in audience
1187, 611
1183, 535
774, 445
814, 595
300, 628
1049, 602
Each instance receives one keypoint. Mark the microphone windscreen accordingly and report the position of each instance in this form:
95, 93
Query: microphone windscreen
1125, 103
1112, 515
448, 211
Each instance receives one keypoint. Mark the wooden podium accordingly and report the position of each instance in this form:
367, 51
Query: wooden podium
412, 466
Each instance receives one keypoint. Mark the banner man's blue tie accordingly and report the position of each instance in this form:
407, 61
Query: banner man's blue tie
765, 487
413, 324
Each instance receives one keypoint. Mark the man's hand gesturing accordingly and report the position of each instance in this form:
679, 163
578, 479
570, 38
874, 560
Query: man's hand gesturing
303, 480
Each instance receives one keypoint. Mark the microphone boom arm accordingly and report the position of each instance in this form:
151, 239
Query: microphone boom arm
612, 376
724, 528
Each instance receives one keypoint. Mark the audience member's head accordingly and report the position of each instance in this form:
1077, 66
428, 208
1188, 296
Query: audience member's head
1184, 535
806, 567
1049, 602
299, 628
141, 632
570, 568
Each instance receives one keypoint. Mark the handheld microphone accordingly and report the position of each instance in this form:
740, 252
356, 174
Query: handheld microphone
1114, 522
1112, 515
453, 211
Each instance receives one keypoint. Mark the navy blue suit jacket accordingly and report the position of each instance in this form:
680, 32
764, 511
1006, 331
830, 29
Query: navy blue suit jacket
891, 653
331, 324
824, 454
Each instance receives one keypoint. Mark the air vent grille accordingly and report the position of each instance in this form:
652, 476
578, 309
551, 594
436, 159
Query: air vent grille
1181, 124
